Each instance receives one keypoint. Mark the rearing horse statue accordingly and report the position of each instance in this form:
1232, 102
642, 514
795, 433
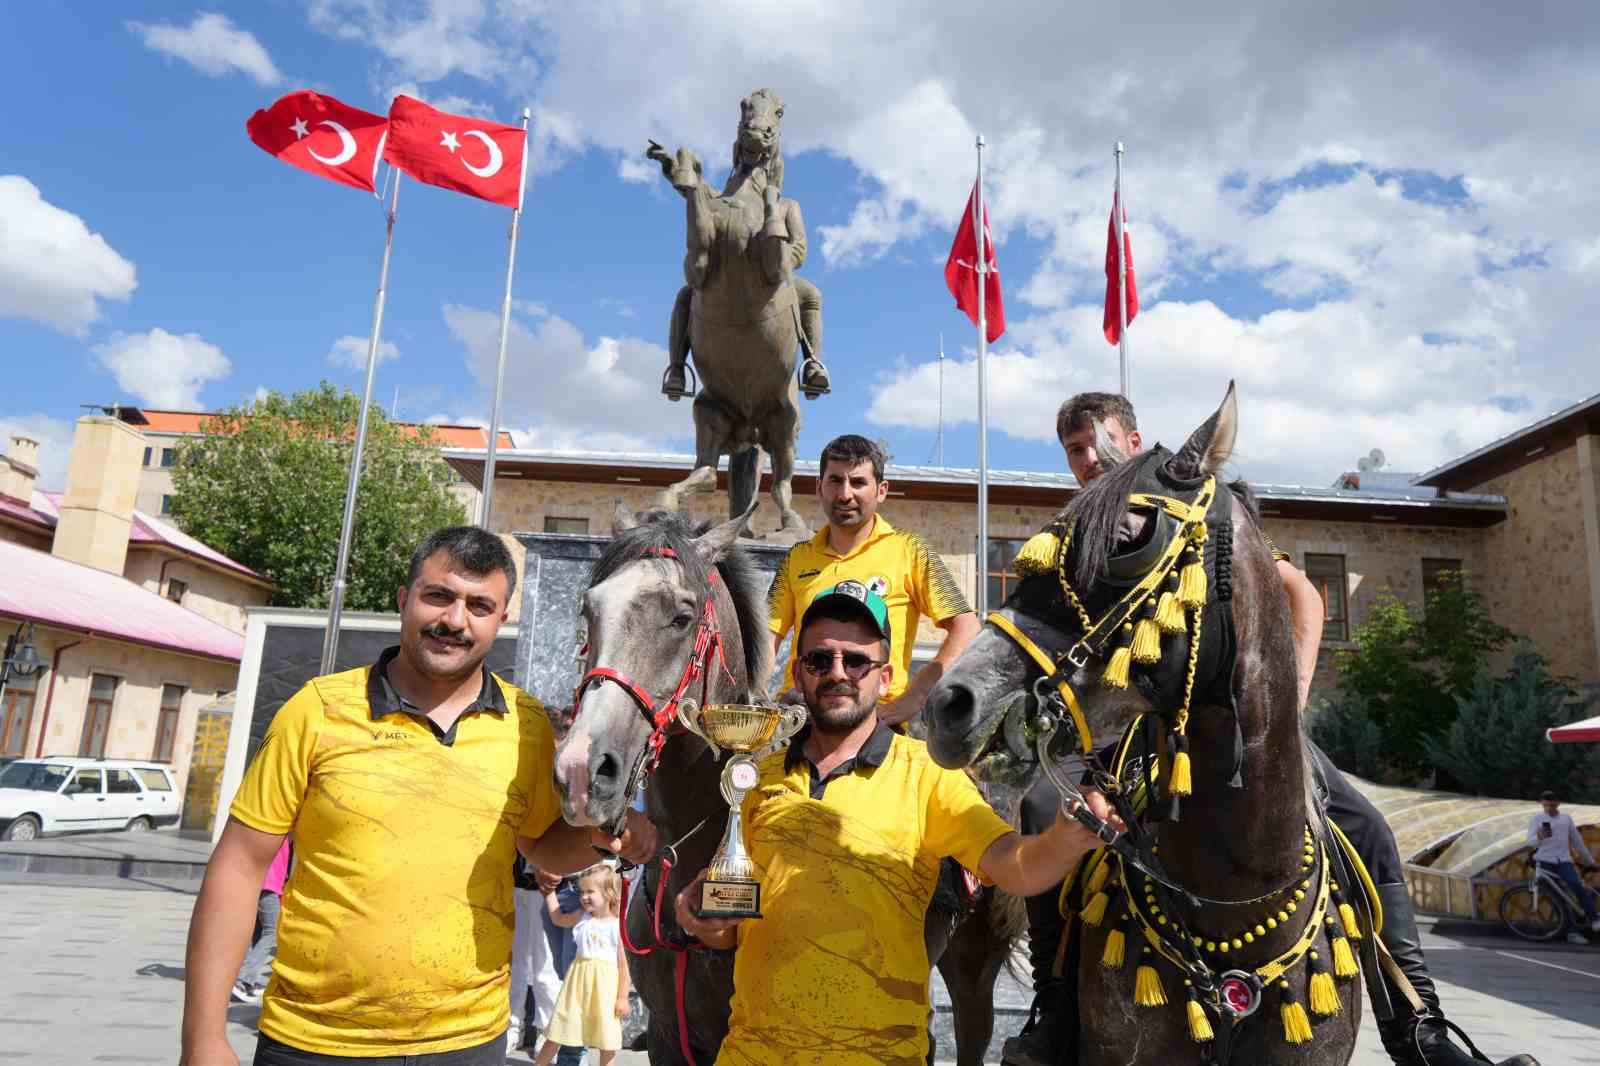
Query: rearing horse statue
743, 313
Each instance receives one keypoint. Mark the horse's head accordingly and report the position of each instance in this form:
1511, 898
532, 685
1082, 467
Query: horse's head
1081, 603
757, 144
650, 596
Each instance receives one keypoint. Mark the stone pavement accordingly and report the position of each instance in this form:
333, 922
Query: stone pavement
92, 971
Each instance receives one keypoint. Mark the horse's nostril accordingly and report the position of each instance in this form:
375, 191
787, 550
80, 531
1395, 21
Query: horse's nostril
606, 773
953, 706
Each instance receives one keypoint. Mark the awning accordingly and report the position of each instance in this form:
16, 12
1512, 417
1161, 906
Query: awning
1576, 732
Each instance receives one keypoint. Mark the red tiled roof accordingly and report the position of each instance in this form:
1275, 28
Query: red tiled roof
39, 587
448, 435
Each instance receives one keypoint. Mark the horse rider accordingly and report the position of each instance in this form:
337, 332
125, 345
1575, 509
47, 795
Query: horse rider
1410, 1038
836, 970
860, 544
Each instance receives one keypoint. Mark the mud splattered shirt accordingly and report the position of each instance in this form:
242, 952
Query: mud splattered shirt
397, 920
836, 971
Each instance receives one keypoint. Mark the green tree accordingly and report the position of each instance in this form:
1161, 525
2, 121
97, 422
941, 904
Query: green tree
1497, 745
1408, 670
1343, 728
265, 484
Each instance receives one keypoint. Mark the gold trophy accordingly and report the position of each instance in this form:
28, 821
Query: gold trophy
732, 888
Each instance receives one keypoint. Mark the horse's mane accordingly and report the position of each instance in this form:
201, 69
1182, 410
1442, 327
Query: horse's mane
660, 532
1096, 512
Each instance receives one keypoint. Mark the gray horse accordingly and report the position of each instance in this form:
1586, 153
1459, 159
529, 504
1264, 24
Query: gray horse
743, 312
1238, 842
642, 612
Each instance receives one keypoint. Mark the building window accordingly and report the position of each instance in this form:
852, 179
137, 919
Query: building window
1002, 553
166, 504
147, 452
1438, 575
566, 525
176, 589
16, 714
97, 716
168, 456
1326, 572
167, 723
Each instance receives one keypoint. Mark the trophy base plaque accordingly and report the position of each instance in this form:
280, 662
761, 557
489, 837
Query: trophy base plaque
730, 899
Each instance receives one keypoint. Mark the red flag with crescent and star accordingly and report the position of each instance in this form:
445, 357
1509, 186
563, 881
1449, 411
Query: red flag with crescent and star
1111, 321
320, 135
962, 278
470, 155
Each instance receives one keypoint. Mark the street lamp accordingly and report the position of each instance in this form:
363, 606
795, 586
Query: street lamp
21, 659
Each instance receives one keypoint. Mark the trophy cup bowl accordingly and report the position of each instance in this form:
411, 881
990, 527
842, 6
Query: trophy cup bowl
732, 888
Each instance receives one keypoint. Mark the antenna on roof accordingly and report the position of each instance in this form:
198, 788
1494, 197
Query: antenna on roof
122, 412
1373, 460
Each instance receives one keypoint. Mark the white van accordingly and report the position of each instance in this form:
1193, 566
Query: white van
67, 795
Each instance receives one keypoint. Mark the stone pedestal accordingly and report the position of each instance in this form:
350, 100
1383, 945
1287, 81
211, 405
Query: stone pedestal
555, 574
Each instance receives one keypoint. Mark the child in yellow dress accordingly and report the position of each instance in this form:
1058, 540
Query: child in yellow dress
594, 996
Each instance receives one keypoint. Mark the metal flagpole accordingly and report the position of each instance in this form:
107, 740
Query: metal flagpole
941, 399
1118, 211
330, 640
983, 395
505, 325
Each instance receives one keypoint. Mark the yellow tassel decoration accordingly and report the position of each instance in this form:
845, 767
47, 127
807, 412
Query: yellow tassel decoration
1192, 581
1347, 915
1115, 950
1094, 912
1200, 1029
1116, 672
1102, 874
1169, 613
1344, 959
1182, 783
1324, 996
1146, 641
1147, 990
1038, 555
1296, 1026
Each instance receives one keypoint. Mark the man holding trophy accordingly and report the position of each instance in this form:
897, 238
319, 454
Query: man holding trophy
844, 830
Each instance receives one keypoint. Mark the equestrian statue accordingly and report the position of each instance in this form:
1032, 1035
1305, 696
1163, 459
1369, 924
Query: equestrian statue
743, 313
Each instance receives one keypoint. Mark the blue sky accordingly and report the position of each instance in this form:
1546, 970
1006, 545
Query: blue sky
1383, 231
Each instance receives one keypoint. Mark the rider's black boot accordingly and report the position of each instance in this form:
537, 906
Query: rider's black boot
674, 383
1051, 1021
1413, 1039
814, 379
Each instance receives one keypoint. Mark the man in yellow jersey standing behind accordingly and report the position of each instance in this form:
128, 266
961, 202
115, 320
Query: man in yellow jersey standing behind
408, 785
858, 544
848, 826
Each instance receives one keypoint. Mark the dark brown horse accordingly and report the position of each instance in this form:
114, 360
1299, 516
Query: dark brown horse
1213, 886
656, 590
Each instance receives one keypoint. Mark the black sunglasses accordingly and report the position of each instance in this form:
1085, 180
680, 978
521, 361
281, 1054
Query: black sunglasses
819, 663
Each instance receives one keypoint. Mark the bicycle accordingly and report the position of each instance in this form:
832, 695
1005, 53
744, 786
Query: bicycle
1545, 907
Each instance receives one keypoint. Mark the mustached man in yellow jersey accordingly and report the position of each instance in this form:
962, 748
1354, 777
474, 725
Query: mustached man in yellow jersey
858, 544
409, 785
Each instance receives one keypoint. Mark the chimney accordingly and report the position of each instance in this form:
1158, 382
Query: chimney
102, 482
18, 468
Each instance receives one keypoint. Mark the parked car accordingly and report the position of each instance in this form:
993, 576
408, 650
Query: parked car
68, 795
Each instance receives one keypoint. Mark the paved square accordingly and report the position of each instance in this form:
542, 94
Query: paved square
92, 971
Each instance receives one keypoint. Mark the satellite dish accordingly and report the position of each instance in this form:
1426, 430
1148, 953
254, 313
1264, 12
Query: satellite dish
1364, 464
1378, 458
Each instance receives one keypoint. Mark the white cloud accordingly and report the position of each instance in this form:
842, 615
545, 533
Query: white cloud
350, 352
212, 45
162, 369
1335, 209
563, 391
55, 444
53, 270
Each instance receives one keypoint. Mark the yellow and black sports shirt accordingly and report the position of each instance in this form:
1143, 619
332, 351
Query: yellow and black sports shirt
395, 937
836, 970
899, 566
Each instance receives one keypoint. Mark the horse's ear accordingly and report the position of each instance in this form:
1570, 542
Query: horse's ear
1209, 446
1105, 448
714, 543
622, 518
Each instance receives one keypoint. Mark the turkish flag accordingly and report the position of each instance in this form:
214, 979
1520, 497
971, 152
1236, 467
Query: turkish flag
961, 275
319, 134
1112, 321
482, 159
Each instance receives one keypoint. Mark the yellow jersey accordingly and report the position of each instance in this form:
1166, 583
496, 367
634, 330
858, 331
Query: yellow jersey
899, 566
395, 936
836, 971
